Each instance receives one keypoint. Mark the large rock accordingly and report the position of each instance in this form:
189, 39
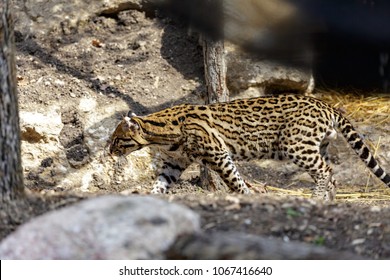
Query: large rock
109, 227
252, 76
241, 246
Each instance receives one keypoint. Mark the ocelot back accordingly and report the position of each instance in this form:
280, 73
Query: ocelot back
291, 127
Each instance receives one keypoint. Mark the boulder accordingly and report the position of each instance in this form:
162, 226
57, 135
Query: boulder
107, 227
241, 246
251, 76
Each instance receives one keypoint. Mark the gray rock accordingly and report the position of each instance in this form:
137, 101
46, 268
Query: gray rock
256, 77
108, 227
220, 245
113, 7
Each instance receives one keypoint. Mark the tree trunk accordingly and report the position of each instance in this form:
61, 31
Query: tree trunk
215, 71
217, 91
11, 176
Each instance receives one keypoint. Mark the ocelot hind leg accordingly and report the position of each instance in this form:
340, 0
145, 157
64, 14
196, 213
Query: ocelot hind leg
321, 172
170, 172
332, 183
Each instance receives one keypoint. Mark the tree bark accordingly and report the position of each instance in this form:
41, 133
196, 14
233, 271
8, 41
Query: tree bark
217, 91
215, 71
11, 176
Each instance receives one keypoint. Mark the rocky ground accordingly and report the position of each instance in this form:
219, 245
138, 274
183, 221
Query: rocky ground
78, 75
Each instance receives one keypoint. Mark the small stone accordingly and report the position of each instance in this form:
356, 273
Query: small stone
156, 82
233, 199
87, 104
234, 206
375, 225
62, 169
209, 225
358, 241
375, 209
276, 228
59, 83
356, 227
269, 208
97, 43
287, 205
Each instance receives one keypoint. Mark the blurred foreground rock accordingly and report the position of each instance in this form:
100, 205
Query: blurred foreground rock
110, 227
119, 227
241, 246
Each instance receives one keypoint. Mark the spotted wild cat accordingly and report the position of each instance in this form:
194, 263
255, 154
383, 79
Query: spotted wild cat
291, 127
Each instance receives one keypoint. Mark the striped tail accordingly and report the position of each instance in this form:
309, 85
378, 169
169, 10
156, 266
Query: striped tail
356, 142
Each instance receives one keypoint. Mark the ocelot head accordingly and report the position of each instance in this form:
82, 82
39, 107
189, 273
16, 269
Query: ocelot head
127, 137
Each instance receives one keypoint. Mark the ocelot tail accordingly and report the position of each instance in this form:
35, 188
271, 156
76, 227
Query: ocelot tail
292, 127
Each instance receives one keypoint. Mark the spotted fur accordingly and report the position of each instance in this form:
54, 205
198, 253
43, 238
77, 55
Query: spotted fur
292, 127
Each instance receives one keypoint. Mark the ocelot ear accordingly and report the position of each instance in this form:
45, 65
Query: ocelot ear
129, 124
131, 114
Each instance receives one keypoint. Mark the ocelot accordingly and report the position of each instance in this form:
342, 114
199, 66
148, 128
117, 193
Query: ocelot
292, 127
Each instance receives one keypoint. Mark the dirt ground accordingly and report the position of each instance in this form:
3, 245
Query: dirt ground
152, 63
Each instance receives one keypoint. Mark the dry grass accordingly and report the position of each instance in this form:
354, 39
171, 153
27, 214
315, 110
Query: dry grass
368, 108
346, 195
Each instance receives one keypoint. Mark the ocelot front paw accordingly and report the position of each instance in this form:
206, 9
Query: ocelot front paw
324, 196
245, 191
159, 188
256, 188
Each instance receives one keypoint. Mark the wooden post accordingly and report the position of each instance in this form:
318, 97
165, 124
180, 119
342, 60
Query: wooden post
215, 71
217, 91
